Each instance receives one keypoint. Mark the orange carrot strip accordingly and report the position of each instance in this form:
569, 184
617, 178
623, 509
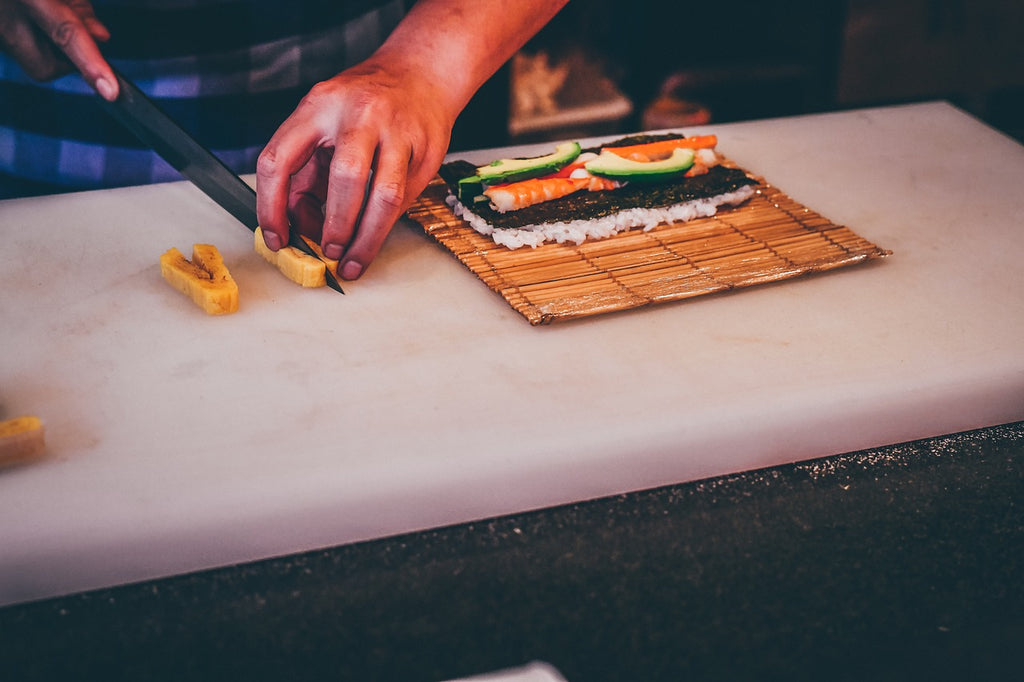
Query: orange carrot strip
695, 170
663, 148
598, 184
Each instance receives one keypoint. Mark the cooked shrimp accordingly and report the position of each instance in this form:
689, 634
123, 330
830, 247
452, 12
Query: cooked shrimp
703, 160
516, 195
595, 183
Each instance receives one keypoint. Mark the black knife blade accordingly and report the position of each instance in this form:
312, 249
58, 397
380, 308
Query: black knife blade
196, 163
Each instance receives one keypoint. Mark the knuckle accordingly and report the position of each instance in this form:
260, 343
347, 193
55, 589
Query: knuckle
267, 162
345, 171
389, 194
63, 34
318, 91
318, 96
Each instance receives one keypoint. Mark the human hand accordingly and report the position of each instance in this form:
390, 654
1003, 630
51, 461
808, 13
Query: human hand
356, 152
50, 37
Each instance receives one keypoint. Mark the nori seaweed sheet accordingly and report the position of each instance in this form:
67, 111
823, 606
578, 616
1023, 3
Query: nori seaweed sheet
585, 205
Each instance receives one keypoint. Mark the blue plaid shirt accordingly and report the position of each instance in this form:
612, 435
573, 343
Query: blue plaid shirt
229, 71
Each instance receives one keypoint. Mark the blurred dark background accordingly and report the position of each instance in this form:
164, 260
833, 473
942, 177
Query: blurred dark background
605, 67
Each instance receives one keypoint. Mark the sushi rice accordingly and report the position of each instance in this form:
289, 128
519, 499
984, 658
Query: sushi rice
578, 231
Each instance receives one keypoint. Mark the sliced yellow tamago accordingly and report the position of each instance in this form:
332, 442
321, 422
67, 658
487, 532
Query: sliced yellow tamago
297, 266
205, 279
21, 439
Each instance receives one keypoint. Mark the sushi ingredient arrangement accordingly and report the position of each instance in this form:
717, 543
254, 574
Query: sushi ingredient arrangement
512, 184
574, 194
589, 260
205, 279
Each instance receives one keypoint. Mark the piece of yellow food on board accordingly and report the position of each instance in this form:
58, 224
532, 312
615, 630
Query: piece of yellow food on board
205, 279
297, 266
21, 439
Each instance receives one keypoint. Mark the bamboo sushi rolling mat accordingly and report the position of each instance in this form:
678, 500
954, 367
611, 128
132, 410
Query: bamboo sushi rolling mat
769, 238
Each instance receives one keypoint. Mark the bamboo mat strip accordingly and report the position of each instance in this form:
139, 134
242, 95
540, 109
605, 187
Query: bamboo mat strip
769, 238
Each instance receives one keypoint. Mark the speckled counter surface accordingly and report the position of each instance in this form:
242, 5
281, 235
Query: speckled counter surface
898, 563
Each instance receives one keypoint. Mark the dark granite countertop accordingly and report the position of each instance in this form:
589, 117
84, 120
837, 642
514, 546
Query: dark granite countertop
898, 563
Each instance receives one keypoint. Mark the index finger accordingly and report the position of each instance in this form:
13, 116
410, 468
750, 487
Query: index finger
291, 148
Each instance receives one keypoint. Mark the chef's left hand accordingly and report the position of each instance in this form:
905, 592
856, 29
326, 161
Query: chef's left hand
376, 133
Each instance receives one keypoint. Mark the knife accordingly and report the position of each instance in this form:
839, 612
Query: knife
179, 149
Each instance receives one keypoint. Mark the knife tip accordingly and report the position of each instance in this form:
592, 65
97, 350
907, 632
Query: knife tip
332, 281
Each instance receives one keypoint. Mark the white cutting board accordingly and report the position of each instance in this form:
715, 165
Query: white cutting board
178, 441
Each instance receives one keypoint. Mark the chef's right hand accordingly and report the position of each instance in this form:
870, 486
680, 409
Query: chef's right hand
50, 38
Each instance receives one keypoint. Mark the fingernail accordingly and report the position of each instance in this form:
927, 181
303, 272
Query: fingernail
351, 270
334, 251
272, 240
106, 89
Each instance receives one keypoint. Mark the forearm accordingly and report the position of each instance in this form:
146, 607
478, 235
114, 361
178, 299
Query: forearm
459, 44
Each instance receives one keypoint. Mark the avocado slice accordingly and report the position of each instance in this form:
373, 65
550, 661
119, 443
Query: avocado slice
610, 165
469, 188
514, 170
